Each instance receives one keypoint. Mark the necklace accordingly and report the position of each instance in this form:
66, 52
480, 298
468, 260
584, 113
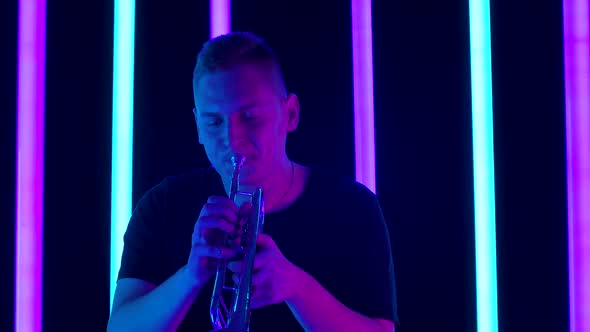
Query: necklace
290, 185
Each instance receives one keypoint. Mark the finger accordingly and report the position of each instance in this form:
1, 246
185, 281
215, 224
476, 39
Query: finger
245, 209
264, 241
211, 222
260, 261
255, 299
223, 201
233, 241
256, 303
260, 276
208, 236
260, 298
221, 210
235, 234
214, 252
235, 266
212, 237
236, 279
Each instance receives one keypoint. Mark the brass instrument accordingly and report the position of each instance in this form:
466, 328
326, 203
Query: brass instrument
236, 317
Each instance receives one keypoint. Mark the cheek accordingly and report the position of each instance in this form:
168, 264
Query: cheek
268, 140
213, 149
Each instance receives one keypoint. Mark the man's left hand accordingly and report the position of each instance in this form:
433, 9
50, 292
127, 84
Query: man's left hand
274, 278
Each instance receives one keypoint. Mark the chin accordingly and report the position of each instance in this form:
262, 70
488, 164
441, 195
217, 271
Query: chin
250, 177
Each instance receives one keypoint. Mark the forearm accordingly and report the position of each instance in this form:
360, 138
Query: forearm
317, 310
162, 309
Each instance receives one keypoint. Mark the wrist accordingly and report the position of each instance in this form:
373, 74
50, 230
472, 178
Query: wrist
301, 286
189, 279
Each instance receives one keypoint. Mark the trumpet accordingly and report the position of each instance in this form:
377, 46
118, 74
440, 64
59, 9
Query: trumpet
236, 316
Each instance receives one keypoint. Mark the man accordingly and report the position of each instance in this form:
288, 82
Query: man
324, 260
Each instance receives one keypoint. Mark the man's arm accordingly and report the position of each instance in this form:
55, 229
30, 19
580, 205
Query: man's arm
141, 306
367, 277
317, 310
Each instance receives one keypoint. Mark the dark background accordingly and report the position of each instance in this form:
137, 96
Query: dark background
423, 133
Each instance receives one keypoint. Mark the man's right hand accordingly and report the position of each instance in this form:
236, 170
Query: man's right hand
218, 218
135, 298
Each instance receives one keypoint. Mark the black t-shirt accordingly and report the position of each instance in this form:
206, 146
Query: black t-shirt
335, 231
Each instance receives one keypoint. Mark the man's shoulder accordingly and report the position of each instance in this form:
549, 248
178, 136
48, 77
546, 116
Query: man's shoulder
196, 182
198, 178
341, 185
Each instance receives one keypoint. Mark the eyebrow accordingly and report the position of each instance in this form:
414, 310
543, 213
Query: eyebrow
250, 105
242, 108
209, 114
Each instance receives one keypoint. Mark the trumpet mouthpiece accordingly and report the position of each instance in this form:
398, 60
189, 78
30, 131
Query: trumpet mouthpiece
238, 160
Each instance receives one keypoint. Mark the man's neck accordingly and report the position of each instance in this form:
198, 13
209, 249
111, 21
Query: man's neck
278, 197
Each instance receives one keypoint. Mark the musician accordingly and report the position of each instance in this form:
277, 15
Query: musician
323, 261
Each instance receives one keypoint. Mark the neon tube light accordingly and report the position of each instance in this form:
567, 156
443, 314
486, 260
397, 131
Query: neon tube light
577, 98
122, 151
362, 68
483, 165
219, 17
29, 168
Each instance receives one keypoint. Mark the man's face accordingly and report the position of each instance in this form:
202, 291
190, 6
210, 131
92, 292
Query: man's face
240, 110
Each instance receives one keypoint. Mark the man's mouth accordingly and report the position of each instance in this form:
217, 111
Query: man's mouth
247, 158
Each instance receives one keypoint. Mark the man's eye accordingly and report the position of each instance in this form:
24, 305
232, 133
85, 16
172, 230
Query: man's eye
214, 123
249, 116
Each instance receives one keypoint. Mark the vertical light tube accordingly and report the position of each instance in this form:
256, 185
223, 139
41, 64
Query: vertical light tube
577, 99
29, 167
219, 17
122, 151
362, 70
483, 165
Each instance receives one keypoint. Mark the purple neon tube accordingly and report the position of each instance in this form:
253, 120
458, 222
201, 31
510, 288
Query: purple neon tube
577, 93
29, 168
219, 17
364, 128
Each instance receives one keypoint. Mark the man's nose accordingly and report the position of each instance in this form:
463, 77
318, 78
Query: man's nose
234, 134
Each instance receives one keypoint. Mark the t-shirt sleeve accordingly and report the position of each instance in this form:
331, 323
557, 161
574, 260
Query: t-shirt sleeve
143, 251
373, 261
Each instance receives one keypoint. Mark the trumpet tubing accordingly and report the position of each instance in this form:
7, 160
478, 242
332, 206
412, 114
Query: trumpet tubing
235, 317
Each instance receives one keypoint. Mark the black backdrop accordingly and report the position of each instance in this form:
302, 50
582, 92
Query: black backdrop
423, 130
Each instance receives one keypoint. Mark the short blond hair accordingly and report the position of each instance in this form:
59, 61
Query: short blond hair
236, 48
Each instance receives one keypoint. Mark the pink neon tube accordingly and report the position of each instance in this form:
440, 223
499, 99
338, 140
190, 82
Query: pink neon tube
577, 93
29, 187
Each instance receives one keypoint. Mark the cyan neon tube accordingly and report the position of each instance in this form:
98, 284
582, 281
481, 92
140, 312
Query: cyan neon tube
483, 166
122, 140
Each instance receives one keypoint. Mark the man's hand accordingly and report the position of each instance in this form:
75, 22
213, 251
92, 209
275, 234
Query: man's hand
218, 218
274, 278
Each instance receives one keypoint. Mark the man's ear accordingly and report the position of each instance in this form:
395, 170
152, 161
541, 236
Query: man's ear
292, 103
197, 125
